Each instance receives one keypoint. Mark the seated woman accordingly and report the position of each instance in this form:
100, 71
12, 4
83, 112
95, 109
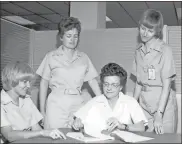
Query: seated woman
19, 116
111, 110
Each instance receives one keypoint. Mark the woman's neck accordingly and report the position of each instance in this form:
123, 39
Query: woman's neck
14, 96
68, 52
150, 43
112, 101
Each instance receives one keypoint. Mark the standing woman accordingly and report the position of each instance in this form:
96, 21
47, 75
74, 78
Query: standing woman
155, 71
64, 70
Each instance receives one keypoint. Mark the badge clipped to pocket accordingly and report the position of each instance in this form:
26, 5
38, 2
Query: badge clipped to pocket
151, 73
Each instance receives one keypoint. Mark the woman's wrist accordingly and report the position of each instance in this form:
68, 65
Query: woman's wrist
123, 127
159, 112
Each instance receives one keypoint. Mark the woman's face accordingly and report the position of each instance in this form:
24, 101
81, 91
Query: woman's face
146, 34
111, 86
22, 88
70, 38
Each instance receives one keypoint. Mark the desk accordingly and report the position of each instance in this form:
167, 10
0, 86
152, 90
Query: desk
165, 138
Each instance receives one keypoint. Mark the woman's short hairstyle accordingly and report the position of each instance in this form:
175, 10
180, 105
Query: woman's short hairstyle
67, 24
113, 69
15, 72
152, 19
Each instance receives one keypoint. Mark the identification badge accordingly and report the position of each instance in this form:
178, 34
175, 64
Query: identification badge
151, 73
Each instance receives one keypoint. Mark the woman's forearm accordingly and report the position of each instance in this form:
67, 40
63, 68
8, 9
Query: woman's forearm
137, 91
95, 86
136, 127
18, 135
43, 94
164, 94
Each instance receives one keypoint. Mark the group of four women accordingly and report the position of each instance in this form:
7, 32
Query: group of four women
64, 71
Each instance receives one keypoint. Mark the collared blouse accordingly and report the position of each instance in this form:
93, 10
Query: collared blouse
159, 58
66, 73
97, 111
19, 117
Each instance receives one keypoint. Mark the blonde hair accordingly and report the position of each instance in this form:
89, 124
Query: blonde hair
15, 72
152, 19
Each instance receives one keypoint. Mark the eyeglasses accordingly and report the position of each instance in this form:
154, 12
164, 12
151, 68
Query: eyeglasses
113, 85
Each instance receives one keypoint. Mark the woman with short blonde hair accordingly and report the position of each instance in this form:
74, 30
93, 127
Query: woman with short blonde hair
19, 116
14, 72
155, 71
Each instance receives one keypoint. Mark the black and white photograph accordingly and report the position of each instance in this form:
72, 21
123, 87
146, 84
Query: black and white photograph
91, 72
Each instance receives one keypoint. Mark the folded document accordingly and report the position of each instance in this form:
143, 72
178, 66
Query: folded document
131, 137
81, 137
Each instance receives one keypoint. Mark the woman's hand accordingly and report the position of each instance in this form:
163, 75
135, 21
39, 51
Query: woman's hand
112, 123
158, 123
77, 124
55, 134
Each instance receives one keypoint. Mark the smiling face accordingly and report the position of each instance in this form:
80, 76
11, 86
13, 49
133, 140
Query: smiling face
70, 38
146, 34
22, 88
111, 86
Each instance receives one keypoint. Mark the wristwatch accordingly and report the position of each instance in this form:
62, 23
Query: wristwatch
126, 127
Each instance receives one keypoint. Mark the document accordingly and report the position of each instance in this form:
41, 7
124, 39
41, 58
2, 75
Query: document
131, 137
87, 139
94, 123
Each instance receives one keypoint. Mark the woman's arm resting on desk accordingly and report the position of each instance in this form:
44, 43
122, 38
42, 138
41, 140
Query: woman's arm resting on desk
113, 123
13, 135
136, 127
95, 86
43, 94
137, 91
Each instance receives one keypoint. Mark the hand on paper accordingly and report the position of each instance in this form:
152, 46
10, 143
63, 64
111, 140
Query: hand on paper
158, 124
55, 134
112, 123
77, 124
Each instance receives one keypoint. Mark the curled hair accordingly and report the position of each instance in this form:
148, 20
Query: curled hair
15, 72
152, 19
113, 69
67, 24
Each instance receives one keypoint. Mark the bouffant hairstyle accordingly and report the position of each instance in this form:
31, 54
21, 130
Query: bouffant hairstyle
15, 72
152, 19
67, 24
113, 69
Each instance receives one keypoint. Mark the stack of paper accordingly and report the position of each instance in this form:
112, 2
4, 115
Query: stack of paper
81, 137
131, 137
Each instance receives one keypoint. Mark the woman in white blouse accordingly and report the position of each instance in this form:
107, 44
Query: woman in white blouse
111, 110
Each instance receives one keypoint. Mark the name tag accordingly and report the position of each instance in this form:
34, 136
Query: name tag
151, 73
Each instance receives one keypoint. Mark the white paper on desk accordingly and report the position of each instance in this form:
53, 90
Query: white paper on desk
94, 123
81, 137
131, 137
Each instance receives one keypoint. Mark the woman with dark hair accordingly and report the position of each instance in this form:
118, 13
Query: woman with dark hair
64, 70
155, 71
19, 116
111, 110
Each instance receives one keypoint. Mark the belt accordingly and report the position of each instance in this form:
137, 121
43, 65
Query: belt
147, 88
71, 91
67, 91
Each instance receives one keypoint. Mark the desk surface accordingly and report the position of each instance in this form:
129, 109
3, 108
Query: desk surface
165, 138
